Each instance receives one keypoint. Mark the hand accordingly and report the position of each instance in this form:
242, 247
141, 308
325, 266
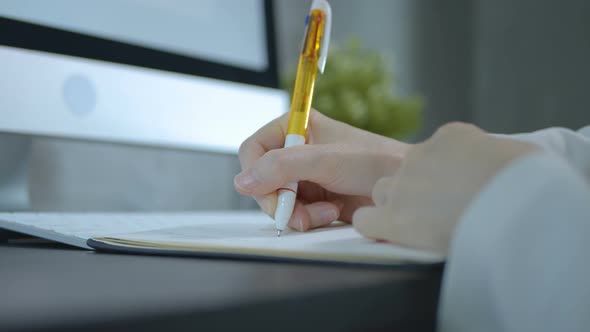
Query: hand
336, 169
420, 205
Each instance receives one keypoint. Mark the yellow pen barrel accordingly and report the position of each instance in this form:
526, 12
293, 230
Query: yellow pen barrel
306, 74
302, 96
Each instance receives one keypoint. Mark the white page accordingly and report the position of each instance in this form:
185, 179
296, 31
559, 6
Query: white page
238, 232
75, 228
255, 234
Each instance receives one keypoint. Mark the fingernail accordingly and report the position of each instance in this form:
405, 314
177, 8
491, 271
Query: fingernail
246, 180
328, 215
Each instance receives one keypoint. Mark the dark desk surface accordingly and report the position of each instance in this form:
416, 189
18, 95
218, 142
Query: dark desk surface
54, 287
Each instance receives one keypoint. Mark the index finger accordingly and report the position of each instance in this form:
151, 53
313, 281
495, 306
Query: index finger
270, 136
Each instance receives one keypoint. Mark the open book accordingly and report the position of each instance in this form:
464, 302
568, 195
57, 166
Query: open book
213, 234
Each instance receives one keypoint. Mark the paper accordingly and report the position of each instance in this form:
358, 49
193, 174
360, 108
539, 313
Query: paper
255, 234
225, 233
75, 228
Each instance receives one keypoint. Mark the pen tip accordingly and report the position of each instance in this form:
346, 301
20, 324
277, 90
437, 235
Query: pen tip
279, 233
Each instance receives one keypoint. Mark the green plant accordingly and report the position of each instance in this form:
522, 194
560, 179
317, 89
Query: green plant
357, 88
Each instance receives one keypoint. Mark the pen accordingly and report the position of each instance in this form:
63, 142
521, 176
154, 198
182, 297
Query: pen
314, 53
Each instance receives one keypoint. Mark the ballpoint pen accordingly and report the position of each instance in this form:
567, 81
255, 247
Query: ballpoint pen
314, 53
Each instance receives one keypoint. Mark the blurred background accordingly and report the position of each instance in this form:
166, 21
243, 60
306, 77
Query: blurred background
506, 66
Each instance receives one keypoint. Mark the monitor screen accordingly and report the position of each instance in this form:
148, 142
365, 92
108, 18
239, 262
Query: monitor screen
224, 31
196, 74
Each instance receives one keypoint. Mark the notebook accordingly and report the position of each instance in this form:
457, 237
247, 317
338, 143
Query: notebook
224, 234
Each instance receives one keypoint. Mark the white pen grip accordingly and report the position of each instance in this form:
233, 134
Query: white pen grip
288, 193
294, 140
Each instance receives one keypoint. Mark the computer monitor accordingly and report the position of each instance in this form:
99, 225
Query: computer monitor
185, 74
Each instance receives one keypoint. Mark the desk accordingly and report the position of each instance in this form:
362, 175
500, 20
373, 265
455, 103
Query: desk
53, 287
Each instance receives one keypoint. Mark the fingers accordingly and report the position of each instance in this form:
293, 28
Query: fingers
396, 227
267, 203
270, 136
321, 130
305, 216
351, 205
372, 223
278, 167
415, 207
309, 216
379, 223
382, 191
350, 167
341, 169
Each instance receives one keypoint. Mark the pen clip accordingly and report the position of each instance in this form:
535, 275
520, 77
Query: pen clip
324, 6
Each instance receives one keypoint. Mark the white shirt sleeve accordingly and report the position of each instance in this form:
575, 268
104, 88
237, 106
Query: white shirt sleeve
519, 260
573, 146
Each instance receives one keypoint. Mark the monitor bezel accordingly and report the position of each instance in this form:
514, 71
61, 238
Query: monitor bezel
38, 37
